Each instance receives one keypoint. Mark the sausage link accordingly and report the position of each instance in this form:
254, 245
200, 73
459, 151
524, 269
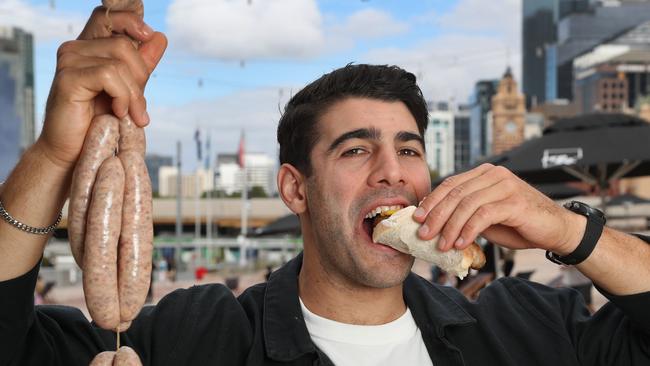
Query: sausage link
102, 235
100, 144
132, 137
136, 239
103, 359
126, 356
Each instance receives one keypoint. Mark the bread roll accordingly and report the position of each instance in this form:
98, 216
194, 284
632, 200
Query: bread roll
400, 232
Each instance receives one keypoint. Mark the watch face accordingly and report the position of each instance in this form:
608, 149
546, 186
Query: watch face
585, 210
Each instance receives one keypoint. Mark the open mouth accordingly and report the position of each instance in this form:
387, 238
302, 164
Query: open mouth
379, 213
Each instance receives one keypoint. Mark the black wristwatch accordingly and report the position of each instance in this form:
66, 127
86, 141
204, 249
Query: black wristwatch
595, 224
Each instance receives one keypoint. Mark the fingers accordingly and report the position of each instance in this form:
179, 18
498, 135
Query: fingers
120, 22
153, 50
92, 76
119, 48
475, 213
440, 192
456, 191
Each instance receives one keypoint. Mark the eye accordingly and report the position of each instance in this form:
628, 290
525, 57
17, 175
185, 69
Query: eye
408, 152
354, 151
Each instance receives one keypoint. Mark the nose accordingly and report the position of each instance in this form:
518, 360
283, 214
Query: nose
387, 170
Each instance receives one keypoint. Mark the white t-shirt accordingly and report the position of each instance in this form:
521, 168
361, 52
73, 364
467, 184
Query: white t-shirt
396, 343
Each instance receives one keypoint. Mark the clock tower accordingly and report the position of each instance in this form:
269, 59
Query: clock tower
508, 115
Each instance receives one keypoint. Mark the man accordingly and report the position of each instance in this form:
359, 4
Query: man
349, 142
96, 75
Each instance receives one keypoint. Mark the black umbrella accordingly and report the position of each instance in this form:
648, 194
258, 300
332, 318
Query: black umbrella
558, 191
594, 148
289, 224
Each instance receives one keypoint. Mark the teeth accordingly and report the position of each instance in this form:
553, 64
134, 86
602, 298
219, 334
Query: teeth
381, 209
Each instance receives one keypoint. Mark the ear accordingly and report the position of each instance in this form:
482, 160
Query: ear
291, 186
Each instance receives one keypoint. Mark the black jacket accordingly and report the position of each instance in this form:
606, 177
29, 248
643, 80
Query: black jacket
514, 322
202, 325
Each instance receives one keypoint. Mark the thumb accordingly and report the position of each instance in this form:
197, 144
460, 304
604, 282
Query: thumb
153, 50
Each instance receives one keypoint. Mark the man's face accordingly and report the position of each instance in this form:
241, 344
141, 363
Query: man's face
369, 154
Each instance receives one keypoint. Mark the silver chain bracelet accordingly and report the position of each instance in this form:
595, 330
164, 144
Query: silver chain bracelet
30, 229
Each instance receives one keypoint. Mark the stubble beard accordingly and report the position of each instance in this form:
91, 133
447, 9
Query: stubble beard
343, 257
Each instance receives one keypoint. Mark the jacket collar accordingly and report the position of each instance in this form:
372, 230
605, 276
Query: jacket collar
286, 336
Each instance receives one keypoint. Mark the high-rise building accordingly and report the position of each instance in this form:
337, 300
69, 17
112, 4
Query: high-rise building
539, 36
439, 139
480, 106
16, 96
154, 162
614, 76
508, 115
581, 32
462, 138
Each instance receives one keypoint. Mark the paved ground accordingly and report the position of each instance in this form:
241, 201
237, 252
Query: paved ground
527, 260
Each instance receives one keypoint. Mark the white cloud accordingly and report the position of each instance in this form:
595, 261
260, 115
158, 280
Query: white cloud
500, 18
271, 29
44, 23
478, 40
370, 23
447, 67
256, 111
236, 30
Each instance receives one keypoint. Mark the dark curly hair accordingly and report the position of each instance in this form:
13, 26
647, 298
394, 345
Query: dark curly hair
297, 132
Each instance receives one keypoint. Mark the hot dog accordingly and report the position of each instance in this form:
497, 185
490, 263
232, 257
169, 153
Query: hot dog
102, 234
136, 237
100, 143
400, 232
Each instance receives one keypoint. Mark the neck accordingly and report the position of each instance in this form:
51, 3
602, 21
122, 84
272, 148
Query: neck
337, 298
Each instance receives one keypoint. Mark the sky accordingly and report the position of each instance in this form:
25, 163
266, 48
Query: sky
232, 65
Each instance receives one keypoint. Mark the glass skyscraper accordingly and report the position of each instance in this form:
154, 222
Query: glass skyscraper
16, 96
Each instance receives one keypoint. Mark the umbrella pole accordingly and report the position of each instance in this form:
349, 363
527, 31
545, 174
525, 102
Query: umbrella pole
603, 186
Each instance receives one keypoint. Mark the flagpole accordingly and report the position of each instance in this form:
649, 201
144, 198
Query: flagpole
197, 195
244, 202
209, 198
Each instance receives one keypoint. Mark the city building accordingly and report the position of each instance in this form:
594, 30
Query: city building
439, 139
508, 115
539, 35
154, 162
614, 76
581, 32
16, 96
191, 184
260, 170
462, 138
554, 110
480, 106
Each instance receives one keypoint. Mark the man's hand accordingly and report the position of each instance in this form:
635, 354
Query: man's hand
99, 73
491, 201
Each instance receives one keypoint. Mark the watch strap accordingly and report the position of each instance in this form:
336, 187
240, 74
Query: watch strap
593, 231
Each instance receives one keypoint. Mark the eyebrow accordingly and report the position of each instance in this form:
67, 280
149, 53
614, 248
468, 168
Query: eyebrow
373, 134
361, 133
405, 136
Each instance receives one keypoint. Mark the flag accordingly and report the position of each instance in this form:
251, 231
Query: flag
240, 151
197, 138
